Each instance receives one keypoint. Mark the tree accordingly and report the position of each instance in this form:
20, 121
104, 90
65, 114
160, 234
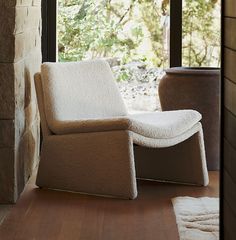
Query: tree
151, 16
123, 28
93, 28
201, 33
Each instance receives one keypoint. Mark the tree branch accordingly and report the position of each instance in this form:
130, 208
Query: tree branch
126, 12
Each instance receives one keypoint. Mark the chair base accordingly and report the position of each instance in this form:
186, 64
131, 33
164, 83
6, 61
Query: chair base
103, 163
93, 163
183, 163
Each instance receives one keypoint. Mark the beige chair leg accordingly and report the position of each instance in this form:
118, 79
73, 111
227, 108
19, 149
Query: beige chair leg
182, 163
99, 163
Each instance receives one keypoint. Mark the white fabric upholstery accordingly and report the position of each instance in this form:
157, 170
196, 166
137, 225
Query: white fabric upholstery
83, 97
159, 129
165, 142
41, 106
167, 124
82, 90
90, 125
99, 163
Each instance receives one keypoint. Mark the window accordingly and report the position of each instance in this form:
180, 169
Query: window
139, 38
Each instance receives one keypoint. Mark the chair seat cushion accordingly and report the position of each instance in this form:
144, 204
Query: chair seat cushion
165, 142
153, 125
164, 125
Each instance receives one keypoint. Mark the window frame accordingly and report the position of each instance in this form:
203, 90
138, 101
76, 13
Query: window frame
49, 32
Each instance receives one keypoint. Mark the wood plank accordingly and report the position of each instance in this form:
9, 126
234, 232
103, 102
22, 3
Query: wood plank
230, 8
229, 32
229, 170
230, 159
229, 64
46, 214
230, 95
230, 127
229, 223
229, 195
4, 210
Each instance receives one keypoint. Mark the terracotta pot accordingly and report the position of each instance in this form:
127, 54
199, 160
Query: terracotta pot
198, 89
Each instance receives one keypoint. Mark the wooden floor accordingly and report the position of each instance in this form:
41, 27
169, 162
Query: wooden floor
4, 211
48, 215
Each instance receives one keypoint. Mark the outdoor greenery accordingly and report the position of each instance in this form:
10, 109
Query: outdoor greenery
137, 30
201, 33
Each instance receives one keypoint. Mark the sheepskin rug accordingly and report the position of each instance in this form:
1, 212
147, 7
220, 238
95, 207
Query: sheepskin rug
197, 218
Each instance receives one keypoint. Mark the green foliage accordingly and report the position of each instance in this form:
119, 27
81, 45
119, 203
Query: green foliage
201, 33
132, 31
151, 16
124, 75
105, 28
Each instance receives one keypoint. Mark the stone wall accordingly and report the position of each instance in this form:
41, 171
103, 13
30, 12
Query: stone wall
20, 58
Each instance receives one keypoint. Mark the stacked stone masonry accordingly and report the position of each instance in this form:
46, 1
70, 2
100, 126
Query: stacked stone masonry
20, 59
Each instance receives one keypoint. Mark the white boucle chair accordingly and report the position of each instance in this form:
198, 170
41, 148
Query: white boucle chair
89, 139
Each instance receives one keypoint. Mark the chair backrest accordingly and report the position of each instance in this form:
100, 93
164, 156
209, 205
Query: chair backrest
80, 90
